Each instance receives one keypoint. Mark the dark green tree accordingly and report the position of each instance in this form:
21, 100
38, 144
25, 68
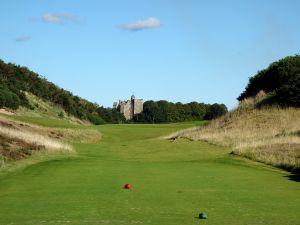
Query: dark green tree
281, 78
216, 110
8, 99
168, 112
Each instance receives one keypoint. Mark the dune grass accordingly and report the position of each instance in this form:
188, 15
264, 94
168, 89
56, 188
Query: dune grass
31, 143
34, 138
269, 135
172, 182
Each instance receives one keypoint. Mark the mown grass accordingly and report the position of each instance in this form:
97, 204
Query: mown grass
173, 181
44, 121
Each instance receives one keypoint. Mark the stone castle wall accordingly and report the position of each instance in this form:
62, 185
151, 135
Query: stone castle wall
138, 106
125, 109
130, 108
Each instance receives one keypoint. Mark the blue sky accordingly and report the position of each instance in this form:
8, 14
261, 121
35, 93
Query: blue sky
177, 50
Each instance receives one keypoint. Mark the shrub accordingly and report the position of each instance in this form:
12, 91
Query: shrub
215, 111
281, 78
9, 99
61, 115
95, 119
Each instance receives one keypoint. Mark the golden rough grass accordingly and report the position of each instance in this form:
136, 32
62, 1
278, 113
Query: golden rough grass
6, 112
34, 138
73, 135
20, 140
269, 135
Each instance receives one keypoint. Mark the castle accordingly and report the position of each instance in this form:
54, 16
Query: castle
130, 108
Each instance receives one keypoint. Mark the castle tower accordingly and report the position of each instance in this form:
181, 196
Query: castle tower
115, 105
130, 107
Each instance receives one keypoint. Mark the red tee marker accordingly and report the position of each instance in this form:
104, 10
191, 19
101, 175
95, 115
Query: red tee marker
127, 186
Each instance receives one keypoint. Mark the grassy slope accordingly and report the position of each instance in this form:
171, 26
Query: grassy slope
46, 113
20, 139
43, 113
22, 144
172, 183
268, 135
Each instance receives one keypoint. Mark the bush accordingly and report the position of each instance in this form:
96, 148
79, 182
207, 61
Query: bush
9, 99
61, 115
289, 93
95, 119
281, 78
215, 111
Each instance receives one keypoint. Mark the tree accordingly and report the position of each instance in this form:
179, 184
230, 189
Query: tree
215, 111
167, 112
198, 110
152, 112
281, 78
289, 93
9, 99
181, 116
95, 118
111, 115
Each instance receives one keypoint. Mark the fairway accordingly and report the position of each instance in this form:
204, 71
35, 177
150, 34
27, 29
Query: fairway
172, 182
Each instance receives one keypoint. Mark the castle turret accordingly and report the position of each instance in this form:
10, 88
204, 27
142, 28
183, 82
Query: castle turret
131, 107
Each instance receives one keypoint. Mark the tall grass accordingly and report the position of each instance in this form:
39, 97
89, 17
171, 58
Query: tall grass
269, 134
20, 141
35, 139
74, 135
2, 162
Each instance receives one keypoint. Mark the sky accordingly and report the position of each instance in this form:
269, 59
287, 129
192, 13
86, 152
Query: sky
175, 50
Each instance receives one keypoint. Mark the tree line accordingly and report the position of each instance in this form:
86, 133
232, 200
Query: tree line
16, 80
168, 112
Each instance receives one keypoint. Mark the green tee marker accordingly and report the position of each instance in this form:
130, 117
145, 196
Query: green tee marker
203, 216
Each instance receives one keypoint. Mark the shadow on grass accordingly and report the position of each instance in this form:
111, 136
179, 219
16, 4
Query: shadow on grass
294, 177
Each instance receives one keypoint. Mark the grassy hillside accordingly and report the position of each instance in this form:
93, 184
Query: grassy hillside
16, 81
46, 109
270, 135
19, 141
172, 182
22, 140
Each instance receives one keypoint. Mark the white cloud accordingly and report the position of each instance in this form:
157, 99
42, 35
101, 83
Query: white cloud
59, 18
151, 22
22, 38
